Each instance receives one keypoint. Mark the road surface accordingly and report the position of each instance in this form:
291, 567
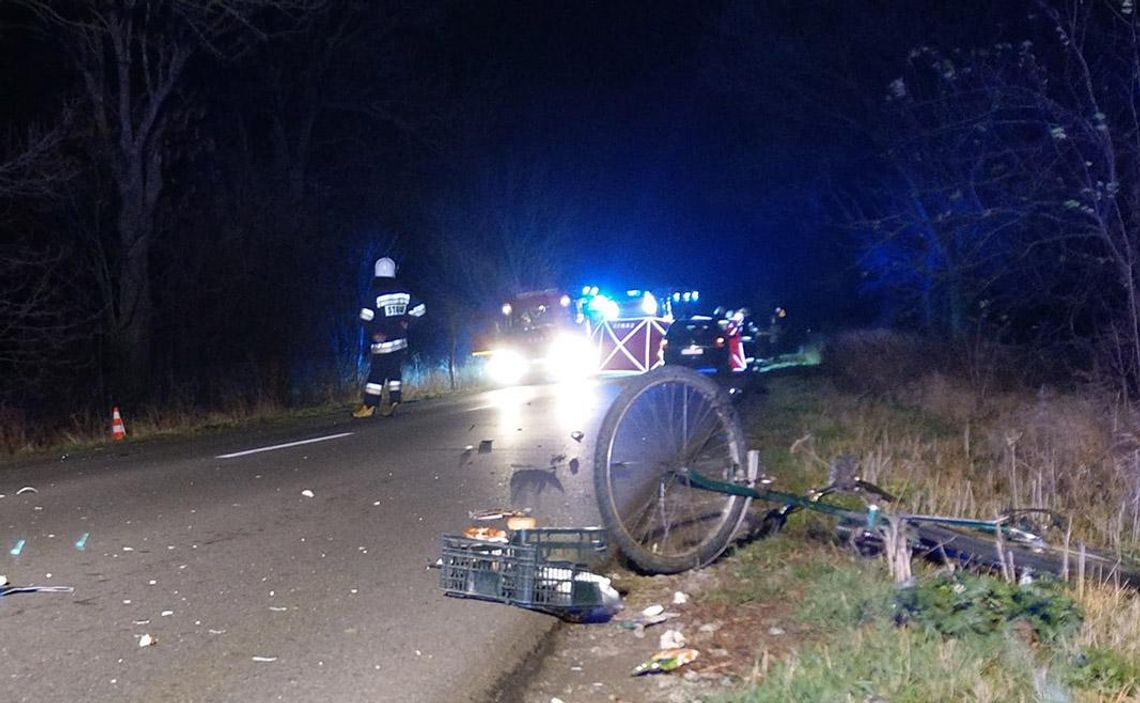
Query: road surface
293, 572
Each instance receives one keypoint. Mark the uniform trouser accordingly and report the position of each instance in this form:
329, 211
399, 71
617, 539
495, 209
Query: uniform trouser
385, 369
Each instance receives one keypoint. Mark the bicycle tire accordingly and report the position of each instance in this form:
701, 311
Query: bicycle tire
983, 551
660, 423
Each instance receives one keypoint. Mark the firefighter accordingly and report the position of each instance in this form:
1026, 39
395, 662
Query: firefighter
385, 317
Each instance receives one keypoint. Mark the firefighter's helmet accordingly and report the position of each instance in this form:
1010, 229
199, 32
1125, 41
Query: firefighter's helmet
385, 268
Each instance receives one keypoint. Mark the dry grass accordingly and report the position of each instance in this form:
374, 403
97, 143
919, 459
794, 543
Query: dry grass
949, 449
92, 426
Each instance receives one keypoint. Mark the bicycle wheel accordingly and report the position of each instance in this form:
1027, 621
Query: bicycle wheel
982, 550
662, 424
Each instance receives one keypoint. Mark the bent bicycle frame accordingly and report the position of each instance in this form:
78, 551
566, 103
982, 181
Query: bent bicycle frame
872, 518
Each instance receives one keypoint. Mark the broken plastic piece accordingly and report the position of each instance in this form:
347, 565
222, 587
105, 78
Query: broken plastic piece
81, 543
146, 641
307, 493
18, 547
26, 489
9, 590
497, 513
577, 435
666, 660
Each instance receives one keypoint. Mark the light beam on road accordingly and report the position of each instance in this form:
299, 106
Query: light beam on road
283, 446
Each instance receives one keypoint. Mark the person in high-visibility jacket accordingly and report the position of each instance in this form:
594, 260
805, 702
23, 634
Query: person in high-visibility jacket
385, 316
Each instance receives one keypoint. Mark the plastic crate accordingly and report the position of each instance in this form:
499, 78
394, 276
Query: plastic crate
581, 545
522, 572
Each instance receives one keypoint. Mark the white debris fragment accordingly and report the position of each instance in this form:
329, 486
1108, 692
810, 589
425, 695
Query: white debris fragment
672, 639
26, 489
216, 632
152, 582
680, 598
278, 608
264, 659
3, 580
775, 630
128, 549
146, 641
653, 610
142, 622
307, 493
166, 613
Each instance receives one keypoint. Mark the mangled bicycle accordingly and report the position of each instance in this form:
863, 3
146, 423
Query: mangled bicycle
674, 482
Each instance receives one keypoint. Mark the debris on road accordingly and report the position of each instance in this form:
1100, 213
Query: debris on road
486, 534
577, 436
666, 660
9, 590
26, 489
81, 543
258, 658
146, 641
497, 513
307, 493
671, 639
18, 547
680, 598
485, 446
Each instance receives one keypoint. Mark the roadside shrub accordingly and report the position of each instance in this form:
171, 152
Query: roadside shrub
881, 362
960, 604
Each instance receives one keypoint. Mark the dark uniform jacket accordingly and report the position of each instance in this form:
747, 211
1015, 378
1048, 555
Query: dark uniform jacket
386, 314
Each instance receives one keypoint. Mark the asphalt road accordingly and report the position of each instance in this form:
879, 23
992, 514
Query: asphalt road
250, 589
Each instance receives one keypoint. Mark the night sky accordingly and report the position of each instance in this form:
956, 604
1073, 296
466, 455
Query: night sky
752, 150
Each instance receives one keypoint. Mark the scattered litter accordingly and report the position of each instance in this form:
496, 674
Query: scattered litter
672, 639
485, 446
152, 582
577, 436
277, 608
216, 632
3, 580
521, 522
26, 489
666, 660
497, 513
775, 630
9, 590
17, 547
264, 659
128, 549
307, 493
146, 641
141, 622
81, 543
680, 598
486, 534
653, 615
166, 613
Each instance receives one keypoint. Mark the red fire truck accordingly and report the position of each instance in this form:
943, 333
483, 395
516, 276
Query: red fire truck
539, 336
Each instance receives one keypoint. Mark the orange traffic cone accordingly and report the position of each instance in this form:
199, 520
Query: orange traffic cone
118, 431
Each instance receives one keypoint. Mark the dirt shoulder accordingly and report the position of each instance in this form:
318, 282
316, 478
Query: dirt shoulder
736, 641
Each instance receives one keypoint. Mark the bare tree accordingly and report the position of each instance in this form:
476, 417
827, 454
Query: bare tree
131, 57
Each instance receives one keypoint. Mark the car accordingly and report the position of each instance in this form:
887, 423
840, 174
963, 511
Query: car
698, 342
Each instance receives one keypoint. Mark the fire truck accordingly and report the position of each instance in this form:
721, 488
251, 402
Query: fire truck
551, 335
538, 336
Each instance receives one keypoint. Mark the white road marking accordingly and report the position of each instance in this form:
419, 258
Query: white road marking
283, 446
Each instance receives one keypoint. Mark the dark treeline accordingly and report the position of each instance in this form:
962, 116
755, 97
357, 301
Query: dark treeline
193, 193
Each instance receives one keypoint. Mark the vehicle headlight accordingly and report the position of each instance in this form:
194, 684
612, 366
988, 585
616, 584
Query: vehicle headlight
571, 356
506, 366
